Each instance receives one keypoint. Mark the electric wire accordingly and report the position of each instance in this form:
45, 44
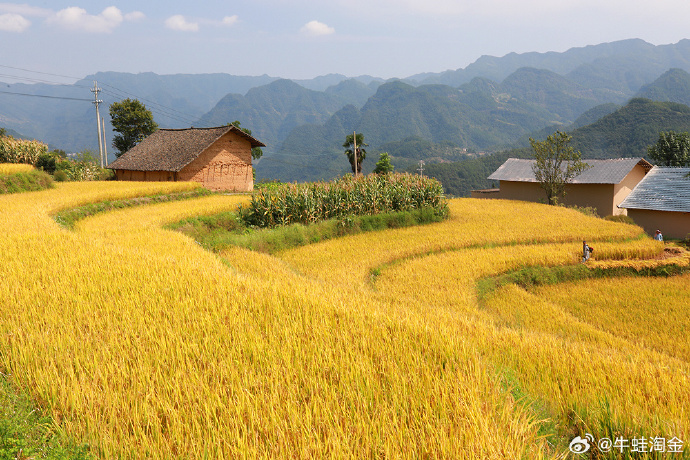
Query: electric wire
156, 107
160, 109
47, 97
42, 73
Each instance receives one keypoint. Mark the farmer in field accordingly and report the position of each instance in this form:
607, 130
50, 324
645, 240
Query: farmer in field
586, 251
658, 236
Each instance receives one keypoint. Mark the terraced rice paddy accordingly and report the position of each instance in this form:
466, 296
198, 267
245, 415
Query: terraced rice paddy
376, 345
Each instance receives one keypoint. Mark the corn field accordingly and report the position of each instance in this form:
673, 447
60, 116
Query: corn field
20, 151
144, 345
372, 194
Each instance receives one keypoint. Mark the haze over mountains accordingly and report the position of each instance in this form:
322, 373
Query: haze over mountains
492, 104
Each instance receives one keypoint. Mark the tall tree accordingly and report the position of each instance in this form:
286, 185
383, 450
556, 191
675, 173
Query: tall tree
672, 149
383, 166
350, 152
557, 163
256, 151
133, 121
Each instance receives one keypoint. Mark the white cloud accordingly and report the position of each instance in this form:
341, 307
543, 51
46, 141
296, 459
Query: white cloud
230, 20
134, 16
24, 9
316, 28
11, 22
75, 18
179, 22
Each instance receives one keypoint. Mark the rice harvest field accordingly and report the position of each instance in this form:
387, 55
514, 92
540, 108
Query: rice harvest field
13, 168
144, 345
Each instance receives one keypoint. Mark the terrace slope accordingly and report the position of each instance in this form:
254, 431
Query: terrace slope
158, 346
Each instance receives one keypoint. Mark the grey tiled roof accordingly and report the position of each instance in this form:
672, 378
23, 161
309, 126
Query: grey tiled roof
601, 171
173, 149
662, 189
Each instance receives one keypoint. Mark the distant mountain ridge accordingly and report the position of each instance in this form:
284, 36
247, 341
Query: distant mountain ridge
490, 104
581, 64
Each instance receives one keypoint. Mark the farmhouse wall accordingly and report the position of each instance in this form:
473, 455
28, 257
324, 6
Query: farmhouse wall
224, 165
486, 193
522, 191
151, 176
671, 224
623, 189
599, 196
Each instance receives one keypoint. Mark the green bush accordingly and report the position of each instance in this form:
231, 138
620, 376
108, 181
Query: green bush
620, 219
60, 176
84, 167
25, 182
586, 210
46, 162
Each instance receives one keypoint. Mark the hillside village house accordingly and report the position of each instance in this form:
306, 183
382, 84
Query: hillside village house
219, 158
662, 201
603, 186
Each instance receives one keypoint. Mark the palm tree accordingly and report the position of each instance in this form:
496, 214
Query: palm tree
361, 153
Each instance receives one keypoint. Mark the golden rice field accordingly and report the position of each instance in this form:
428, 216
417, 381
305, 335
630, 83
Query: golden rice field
14, 168
145, 345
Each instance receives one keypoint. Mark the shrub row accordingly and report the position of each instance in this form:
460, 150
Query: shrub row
347, 196
220, 231
529, 277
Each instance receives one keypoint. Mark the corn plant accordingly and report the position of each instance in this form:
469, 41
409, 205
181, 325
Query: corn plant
20, 151
311, 202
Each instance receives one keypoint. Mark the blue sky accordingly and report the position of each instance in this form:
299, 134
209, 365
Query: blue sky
308, 38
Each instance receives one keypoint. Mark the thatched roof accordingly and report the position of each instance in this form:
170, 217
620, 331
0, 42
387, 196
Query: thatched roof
601, 171
173, 149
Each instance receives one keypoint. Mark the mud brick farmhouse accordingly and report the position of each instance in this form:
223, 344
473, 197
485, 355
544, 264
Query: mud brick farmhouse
219, 158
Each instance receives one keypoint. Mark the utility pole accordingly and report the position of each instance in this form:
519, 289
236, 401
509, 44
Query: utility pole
105, 150
421, 168
97, 102
354, 150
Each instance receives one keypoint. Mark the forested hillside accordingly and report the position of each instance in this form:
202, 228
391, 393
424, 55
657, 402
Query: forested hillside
628, 131
624, 133
672, 86
273, 110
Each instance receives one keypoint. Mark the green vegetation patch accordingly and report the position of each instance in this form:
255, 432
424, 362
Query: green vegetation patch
26, 433
529, 277
220, 231
308, 203
68, 217
30, 181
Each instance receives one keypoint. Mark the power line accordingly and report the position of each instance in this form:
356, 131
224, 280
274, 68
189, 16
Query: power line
47, 97
42, 73
39, 80
165, 110
153, 107
161, 109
